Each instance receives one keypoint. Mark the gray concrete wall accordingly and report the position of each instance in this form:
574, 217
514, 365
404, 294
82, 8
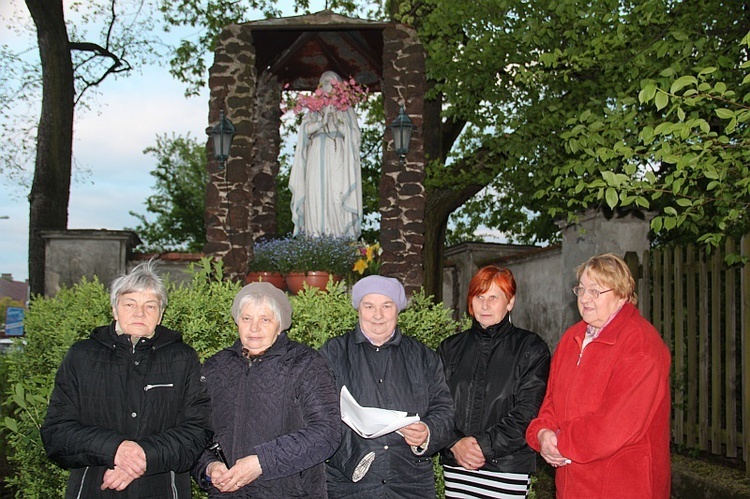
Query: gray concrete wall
598, 233
73, 254
540, 297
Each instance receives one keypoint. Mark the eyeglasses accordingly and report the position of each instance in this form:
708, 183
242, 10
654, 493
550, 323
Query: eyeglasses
579, 291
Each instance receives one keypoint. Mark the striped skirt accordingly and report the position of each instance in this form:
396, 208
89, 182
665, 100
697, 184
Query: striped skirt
463, 483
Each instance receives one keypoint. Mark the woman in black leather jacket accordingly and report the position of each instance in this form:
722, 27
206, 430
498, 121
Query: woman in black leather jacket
497, 375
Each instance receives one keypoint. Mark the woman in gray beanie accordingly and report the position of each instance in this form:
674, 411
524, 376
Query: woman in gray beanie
275, 407
383, 368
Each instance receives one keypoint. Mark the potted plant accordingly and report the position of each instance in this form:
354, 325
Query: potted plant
264, 265
315, 259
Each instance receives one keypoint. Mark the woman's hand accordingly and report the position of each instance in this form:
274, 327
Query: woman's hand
415, 434
468, 453
115, 479
244, 471
548, 442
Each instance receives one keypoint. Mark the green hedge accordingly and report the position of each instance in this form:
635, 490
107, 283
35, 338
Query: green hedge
200, 310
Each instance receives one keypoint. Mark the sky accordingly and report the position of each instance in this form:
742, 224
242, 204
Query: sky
108, 148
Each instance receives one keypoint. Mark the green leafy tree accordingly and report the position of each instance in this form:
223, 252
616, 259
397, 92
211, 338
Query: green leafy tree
179, 202
539, 98
693, 165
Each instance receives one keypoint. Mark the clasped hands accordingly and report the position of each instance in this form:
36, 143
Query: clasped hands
130, 464
244, 471
468, 454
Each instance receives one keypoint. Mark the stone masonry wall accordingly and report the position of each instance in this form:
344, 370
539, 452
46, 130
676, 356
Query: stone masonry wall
402, 193
229, 195
265, 164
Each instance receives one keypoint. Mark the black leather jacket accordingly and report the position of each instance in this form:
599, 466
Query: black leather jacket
498, 377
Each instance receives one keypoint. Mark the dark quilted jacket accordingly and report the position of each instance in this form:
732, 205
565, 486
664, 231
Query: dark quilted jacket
282, 407
404, 375
106, 391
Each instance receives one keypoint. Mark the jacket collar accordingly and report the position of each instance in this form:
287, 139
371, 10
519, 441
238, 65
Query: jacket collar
498, 330
612, 331
359, 337
109, 337
278, 348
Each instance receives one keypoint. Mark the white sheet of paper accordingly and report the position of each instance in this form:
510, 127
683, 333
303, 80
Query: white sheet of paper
371, 422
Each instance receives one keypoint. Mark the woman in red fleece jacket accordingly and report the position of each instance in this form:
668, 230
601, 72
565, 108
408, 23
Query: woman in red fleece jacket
605, 420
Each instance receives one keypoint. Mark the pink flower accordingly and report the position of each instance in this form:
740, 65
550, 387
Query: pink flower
343, 95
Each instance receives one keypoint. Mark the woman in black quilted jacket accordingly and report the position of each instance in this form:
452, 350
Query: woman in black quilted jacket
129, 414
275, 407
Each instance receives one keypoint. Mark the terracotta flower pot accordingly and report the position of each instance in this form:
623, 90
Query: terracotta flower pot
274, 278
315, 279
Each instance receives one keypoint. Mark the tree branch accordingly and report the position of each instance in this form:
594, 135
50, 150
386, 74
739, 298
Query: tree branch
118, 65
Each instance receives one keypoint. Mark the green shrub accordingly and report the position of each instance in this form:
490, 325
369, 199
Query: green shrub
51, 326
200, 310
318, 315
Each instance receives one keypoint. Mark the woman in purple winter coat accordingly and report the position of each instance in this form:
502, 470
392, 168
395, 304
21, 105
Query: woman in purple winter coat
275, 407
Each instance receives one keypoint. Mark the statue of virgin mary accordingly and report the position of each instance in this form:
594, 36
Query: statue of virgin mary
326, 178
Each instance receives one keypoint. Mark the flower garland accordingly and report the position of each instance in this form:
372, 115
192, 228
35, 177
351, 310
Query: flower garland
343, 95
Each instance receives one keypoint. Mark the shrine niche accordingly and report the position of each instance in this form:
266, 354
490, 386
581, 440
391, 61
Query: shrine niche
253, 63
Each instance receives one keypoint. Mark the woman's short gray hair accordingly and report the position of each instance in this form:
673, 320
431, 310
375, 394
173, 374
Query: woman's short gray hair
258, 300
143, 277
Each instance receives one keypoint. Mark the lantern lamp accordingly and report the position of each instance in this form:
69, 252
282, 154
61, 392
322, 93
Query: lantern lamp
401, 129
222, 133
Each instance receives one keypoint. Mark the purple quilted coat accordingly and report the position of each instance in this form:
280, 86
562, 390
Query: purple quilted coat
282, 407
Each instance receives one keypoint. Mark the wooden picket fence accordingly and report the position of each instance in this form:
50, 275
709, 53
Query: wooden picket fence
702, 308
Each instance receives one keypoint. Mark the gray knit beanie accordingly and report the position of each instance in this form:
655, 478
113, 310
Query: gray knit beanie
269, 292
379, 285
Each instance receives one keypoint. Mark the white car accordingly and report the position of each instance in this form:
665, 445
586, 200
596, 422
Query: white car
5, 344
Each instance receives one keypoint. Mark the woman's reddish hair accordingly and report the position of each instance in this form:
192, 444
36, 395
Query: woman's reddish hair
483, 279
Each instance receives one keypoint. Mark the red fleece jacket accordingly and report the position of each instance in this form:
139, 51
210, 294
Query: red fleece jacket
611, 410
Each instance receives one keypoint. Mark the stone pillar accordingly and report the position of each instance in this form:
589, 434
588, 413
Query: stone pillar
265, 154
229, 194
73, 254
402, 193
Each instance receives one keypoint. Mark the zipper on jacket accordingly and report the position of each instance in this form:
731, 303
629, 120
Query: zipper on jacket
83, 480
173, 484
163, 385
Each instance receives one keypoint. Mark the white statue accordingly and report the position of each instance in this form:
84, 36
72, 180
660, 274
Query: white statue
326, 178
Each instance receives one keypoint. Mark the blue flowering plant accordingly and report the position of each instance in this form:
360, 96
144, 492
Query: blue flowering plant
265, 255
307, 253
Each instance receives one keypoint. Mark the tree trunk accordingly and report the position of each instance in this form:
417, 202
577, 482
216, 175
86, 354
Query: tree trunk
439, 138
50, 190
441, 202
